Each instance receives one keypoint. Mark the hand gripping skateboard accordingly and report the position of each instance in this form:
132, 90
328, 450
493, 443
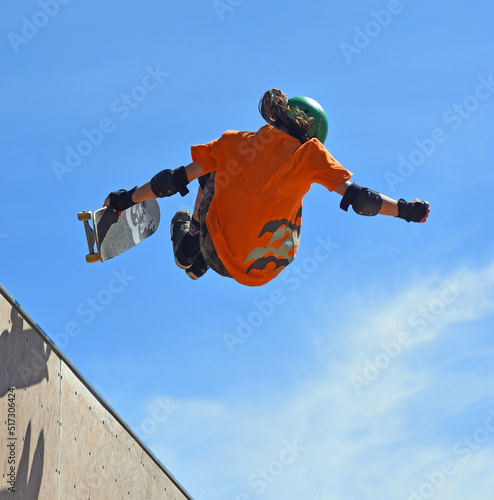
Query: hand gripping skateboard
113, 234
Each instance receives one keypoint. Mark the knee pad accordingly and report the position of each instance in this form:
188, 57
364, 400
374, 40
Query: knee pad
168, 182
364, 201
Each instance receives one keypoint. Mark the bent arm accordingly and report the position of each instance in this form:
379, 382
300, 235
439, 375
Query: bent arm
165, 183
389, 205
145, 192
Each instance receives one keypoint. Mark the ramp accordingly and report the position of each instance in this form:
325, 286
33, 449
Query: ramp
59, 439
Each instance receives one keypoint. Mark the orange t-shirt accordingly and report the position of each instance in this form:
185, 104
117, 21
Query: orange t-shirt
255, 216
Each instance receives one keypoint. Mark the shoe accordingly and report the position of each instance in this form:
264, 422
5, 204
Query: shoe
198, 268
178, 229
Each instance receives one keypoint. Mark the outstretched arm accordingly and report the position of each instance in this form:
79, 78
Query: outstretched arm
165, 183
367, 202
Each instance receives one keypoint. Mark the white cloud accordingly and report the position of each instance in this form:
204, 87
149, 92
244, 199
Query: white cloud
419, 422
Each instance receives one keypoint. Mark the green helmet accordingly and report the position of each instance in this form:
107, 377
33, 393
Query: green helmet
314, 110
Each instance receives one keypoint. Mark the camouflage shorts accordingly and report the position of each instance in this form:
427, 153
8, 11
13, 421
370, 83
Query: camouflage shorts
207, 247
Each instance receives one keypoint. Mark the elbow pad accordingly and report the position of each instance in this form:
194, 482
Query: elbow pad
364, 201
168, 182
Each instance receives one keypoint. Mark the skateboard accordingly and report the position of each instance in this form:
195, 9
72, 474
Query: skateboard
113, 233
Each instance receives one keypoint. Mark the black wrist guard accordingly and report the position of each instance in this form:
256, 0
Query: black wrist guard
411, 212
169, 182
121, 200
364, 201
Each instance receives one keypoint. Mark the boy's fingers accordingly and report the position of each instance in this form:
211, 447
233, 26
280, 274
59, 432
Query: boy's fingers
427, 213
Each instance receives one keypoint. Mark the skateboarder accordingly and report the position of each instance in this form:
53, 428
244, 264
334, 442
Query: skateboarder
248, 211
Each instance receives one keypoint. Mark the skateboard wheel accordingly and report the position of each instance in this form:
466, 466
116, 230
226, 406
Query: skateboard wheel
92, 257
84, 216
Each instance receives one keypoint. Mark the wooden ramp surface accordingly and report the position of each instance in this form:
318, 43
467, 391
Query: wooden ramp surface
59, 440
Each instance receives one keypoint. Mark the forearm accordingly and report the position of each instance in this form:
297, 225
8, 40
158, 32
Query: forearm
143, 193
389, 206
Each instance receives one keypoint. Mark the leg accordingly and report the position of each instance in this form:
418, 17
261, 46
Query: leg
185, 231
199, 196
191, 242
207, 247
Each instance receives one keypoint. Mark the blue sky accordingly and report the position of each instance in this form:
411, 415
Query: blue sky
365, 370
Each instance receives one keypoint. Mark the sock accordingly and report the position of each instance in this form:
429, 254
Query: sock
191, 243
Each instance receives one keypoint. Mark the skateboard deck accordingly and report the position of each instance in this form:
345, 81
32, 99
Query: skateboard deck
112, 234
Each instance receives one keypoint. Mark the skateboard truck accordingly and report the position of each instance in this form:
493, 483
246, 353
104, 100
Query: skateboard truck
85, 217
